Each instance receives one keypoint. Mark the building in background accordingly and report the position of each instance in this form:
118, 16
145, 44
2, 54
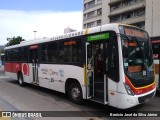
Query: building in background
95, 13
142, 13
68, 30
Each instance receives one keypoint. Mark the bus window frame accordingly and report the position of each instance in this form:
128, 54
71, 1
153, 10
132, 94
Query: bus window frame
113, 73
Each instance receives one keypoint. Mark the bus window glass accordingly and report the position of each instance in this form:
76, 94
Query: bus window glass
137, 53
16, 54
50, 53
6, 56
70, 51
156, 51
9, 55
24, 54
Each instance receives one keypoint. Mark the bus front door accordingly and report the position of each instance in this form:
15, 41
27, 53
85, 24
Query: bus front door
97, 68
34, 64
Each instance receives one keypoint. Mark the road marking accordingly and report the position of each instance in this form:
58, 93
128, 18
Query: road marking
4, 118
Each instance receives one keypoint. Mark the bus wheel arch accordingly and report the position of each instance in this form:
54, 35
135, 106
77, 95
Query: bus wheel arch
20, 79
74, 91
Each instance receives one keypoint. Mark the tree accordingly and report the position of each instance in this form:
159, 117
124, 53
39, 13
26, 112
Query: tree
2, 51
14, 40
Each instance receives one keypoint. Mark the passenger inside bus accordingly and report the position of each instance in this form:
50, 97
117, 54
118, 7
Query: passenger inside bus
99, 60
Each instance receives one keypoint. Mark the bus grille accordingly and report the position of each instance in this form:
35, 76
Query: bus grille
145, 98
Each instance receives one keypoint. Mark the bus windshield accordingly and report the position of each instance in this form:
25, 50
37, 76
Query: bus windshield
137, 53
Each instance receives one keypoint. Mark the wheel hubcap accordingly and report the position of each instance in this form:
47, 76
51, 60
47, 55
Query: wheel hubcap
75, 93
20, 80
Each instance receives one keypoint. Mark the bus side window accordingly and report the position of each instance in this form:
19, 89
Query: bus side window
24, 54
50, 52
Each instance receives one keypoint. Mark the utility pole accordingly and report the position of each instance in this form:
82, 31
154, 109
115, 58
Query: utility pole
35, 34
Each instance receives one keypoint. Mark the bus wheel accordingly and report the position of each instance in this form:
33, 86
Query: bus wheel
20, 79
75, 93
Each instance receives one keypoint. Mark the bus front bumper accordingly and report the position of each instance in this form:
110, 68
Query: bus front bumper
127, 101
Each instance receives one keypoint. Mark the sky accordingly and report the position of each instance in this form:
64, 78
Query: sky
48, 17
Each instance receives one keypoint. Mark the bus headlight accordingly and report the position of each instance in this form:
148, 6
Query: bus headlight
128, 89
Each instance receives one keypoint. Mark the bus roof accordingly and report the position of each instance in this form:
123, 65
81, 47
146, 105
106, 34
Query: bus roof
111, 27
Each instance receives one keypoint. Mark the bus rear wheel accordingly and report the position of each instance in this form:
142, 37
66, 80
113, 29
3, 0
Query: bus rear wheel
20, 80
75, 93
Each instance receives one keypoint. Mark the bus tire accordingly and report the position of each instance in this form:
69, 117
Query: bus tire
20, 80
75, 93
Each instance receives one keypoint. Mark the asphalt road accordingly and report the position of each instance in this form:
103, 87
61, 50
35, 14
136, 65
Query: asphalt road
33, 98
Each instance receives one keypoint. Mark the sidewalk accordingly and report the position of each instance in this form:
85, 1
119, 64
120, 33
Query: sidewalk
2, 74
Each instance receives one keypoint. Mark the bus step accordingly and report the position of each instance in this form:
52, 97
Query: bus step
99, 93
99, 100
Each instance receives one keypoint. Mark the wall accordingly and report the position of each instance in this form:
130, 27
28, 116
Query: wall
105, 12
152, 25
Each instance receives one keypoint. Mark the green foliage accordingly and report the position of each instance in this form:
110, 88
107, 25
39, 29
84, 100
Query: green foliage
14, 40
2, 51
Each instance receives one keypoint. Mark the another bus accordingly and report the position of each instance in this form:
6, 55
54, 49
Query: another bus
156, 56
2, 61
110, 64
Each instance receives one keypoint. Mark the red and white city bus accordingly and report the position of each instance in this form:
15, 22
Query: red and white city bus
109, 64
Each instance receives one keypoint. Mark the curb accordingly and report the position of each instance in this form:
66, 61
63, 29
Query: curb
1, 77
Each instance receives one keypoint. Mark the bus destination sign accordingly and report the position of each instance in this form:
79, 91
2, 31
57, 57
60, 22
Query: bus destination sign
134, 32
98, 37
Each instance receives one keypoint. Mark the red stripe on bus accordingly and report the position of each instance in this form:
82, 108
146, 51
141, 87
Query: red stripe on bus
12, 67
16, 67
8, 67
